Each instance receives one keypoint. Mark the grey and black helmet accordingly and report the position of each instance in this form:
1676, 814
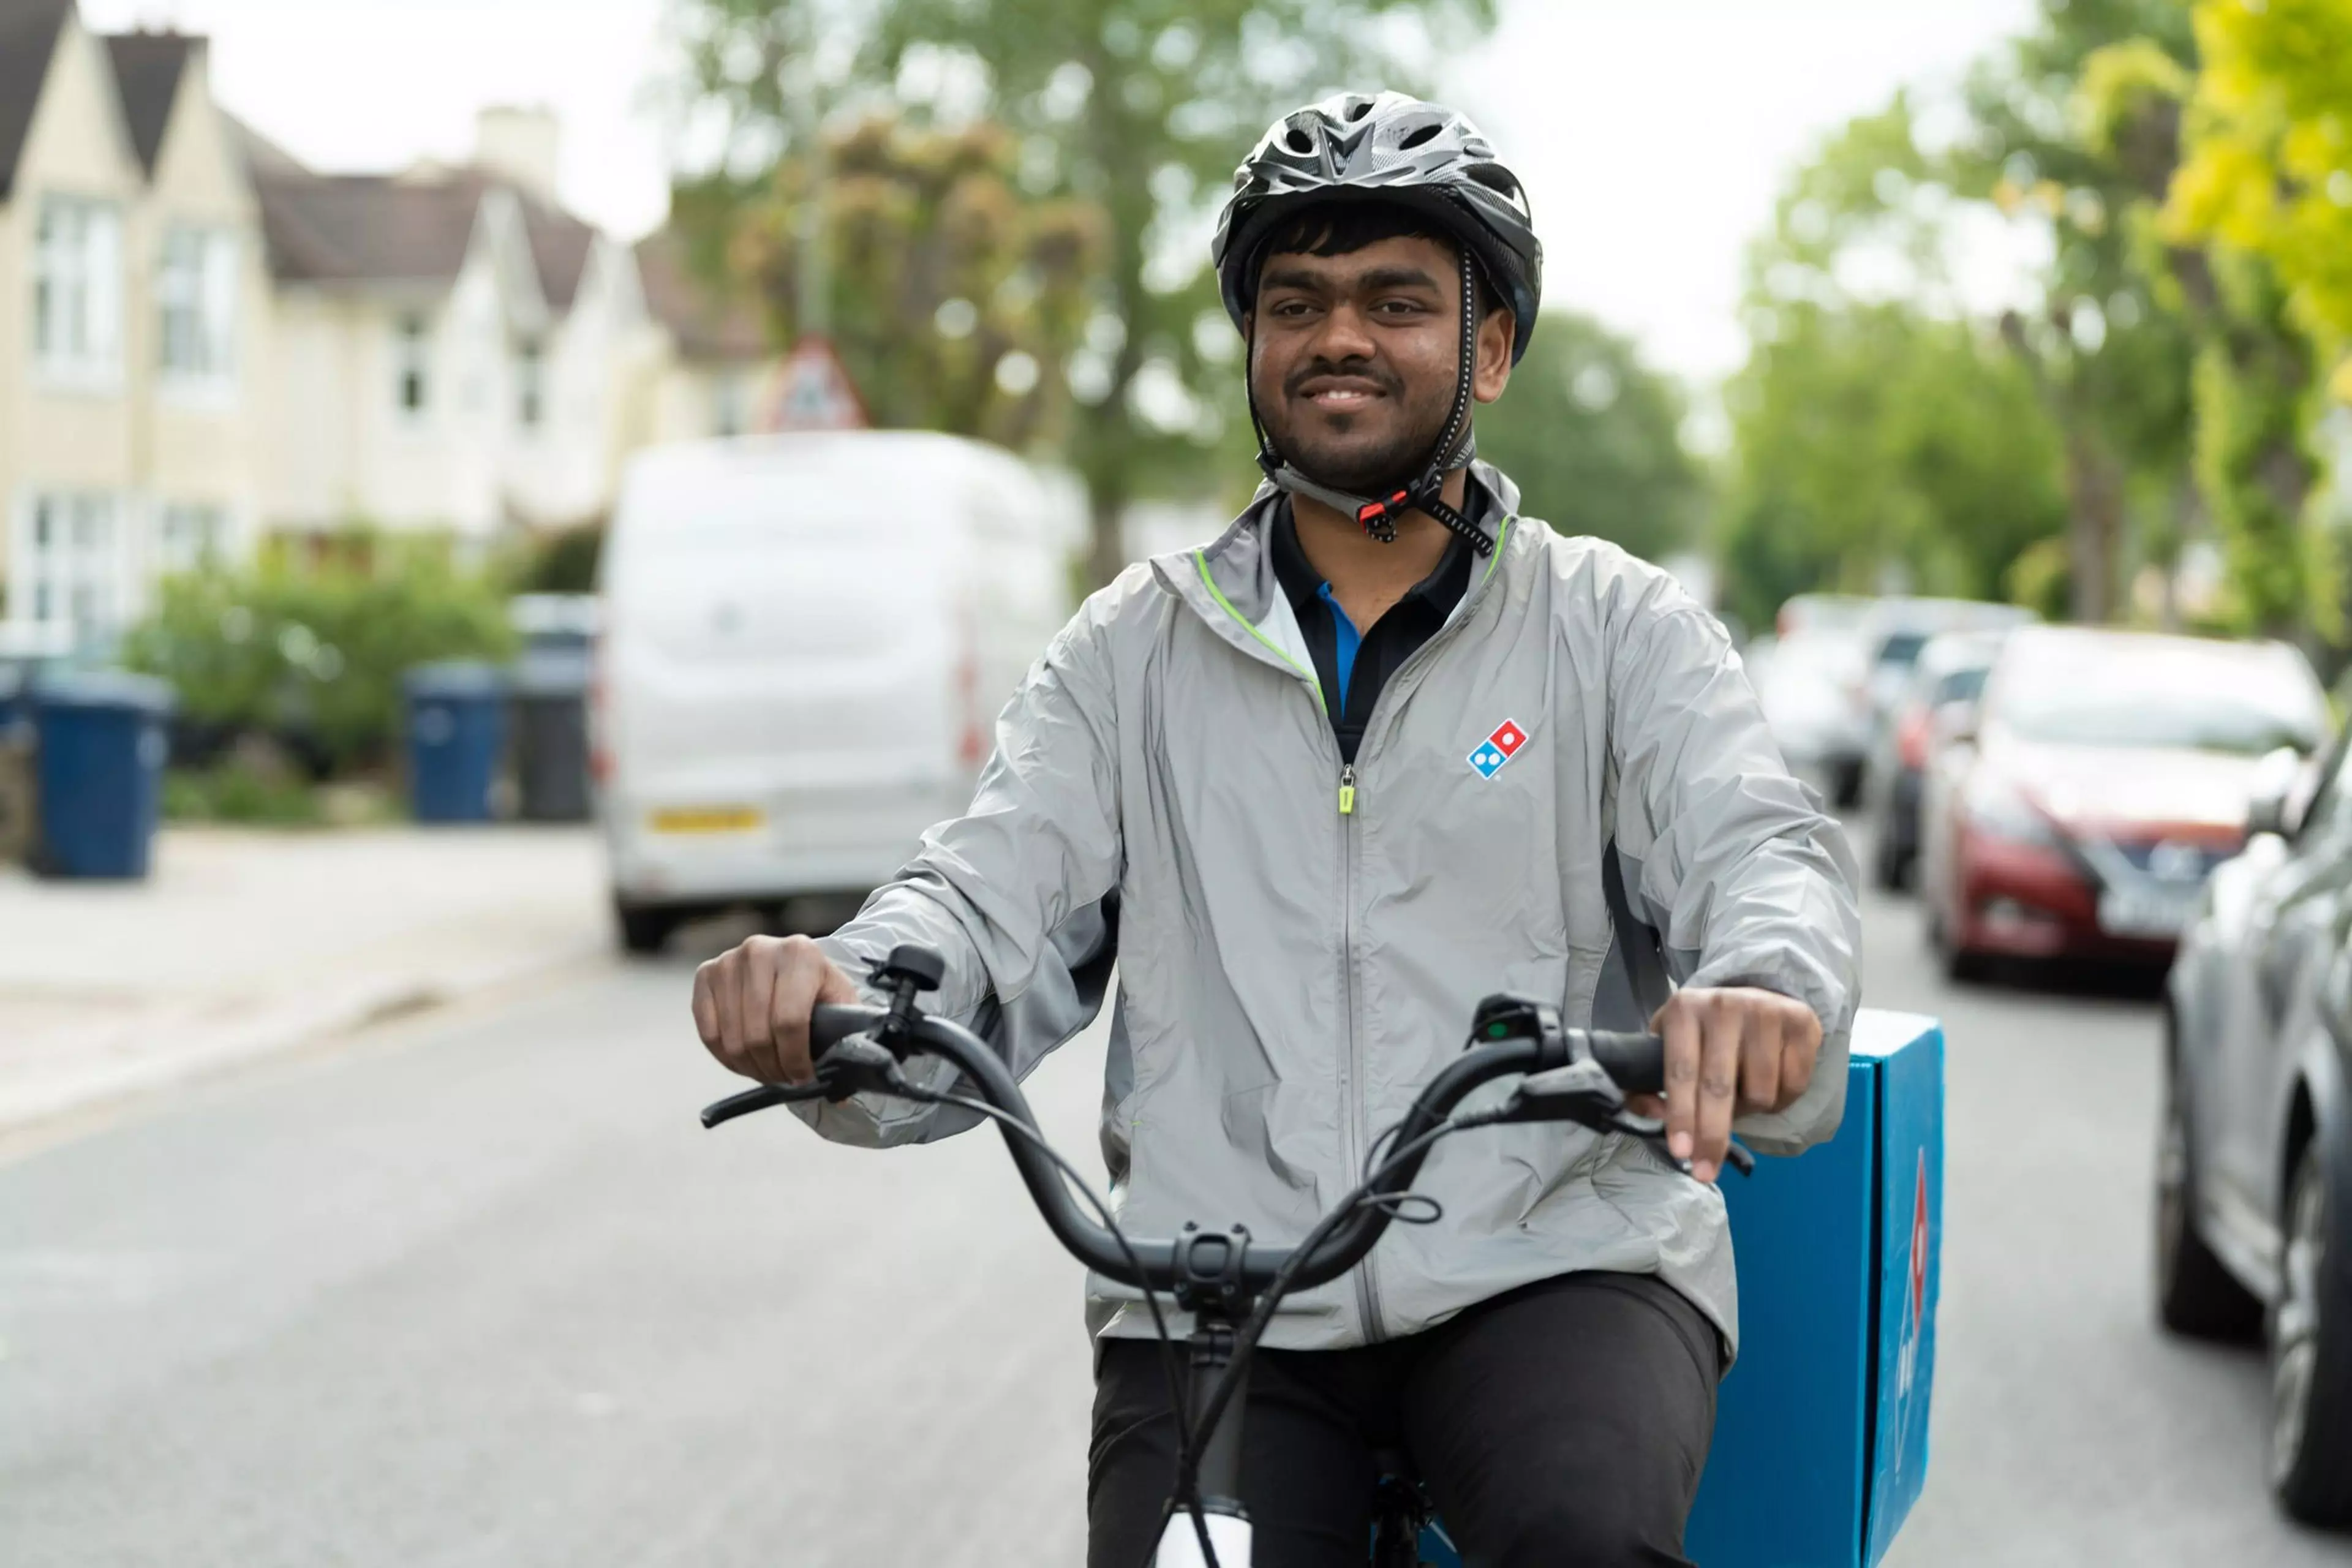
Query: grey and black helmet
1390, 148
1398, 151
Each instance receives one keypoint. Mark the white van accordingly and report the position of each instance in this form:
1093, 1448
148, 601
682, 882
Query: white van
805, 641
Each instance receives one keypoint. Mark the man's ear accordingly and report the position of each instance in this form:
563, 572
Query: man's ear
1495, 335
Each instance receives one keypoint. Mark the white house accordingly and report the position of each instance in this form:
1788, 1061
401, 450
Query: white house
133, 319
203, 341
453, 348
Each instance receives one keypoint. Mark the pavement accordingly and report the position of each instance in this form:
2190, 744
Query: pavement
474, 1291
244, 943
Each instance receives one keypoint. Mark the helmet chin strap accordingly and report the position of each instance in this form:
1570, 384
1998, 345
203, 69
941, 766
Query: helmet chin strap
1456, 444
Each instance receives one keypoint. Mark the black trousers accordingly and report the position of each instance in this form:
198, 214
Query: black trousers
1563, 1423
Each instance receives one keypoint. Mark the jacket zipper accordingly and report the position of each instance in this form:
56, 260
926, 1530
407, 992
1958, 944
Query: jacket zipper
1351, 1121
1351, 1094
1351, 1118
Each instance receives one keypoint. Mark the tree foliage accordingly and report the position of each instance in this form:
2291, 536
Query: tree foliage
2265, 186
957, 297
1880, 438
1878, 447
2110, 363
1140, 108
314, 652
1591, 436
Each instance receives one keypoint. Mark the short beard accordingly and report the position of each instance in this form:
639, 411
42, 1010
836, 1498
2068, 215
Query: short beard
1379, 471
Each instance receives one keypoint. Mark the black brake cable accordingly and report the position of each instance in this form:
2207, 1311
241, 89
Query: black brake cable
1186, 1493
1366, 1193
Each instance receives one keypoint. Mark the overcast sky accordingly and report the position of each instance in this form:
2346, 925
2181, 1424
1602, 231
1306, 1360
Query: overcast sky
1653, 134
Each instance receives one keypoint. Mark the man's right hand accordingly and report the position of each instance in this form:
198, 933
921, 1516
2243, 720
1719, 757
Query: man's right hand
752, 1006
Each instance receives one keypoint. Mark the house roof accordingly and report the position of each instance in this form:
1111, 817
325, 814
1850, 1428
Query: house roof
352, 228
147, 71
356, 228
706, 323
29, 36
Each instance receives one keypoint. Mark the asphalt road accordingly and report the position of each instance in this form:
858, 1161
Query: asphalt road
476, 1290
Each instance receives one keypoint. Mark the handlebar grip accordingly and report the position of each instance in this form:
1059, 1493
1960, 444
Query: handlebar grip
830, 1024
1637, 1062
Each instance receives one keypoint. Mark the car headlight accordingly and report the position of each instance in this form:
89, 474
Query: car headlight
2001, 811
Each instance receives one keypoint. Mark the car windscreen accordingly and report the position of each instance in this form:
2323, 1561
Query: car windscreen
1958, 686
1902, 647
2238, 701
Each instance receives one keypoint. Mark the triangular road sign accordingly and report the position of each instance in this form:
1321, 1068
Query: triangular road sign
813, 391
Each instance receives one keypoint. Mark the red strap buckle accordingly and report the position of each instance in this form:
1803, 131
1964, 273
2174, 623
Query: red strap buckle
1372, 511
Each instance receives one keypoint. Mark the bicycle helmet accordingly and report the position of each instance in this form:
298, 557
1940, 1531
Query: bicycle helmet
1386, 147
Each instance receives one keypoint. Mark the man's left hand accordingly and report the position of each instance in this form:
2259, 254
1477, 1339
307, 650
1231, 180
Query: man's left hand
1730, 1049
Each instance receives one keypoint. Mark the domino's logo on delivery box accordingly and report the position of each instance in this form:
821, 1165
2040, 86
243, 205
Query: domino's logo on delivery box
1498, 749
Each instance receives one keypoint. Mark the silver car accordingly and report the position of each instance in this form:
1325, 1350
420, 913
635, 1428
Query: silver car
2253, 1191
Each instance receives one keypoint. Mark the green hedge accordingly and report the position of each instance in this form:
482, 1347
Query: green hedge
317, 651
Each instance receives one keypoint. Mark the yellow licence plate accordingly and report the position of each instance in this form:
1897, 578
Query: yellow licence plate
708, 819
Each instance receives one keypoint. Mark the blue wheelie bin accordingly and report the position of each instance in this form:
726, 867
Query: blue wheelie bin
100, 748
456, 727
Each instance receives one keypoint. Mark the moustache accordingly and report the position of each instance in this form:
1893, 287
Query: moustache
1362, 369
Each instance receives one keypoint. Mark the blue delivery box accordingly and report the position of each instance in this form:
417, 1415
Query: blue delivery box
1821, 1433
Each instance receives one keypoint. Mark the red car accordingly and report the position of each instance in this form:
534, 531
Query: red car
2077, 810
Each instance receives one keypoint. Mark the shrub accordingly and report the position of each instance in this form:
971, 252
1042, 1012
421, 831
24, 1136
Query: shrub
314, 654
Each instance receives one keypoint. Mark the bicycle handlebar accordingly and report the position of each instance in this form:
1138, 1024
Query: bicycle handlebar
1208, 1260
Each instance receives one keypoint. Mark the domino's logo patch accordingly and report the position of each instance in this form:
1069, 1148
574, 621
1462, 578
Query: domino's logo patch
1498, 749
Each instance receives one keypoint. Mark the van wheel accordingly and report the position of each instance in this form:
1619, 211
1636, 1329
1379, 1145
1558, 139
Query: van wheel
2311, 1354
643, 928
2195, 1294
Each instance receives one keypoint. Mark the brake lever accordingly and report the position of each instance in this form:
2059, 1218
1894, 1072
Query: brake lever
1652, 1131
853, 1065
1583, 1093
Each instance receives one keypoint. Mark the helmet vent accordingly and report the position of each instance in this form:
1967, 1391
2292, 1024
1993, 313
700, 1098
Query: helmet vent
1417, 135
1298, 140
1363, 106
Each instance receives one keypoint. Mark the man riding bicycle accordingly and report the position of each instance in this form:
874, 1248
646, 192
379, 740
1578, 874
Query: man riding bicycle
1382, 747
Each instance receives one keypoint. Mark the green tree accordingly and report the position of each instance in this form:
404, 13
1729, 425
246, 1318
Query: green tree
956, 298
1591, 436
1879, 435
1875, 443
2264, 190
2110, 361
1140, 107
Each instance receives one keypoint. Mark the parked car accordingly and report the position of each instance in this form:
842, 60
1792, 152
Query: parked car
1805, 681
1894, 630
1820, 613
2103, 774
806, 639
2253, 1188
1946, 678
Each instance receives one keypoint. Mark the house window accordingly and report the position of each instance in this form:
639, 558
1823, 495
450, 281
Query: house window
189, 538
411, 359
196, 291
531, 384
67, 567
78, 287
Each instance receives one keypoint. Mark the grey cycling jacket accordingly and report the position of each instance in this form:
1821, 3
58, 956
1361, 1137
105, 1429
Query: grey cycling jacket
1299, 947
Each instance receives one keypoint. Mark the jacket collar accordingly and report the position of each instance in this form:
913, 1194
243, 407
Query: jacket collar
1231, 584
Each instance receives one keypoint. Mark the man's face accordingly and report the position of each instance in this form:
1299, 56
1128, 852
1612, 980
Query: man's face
1353, 358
